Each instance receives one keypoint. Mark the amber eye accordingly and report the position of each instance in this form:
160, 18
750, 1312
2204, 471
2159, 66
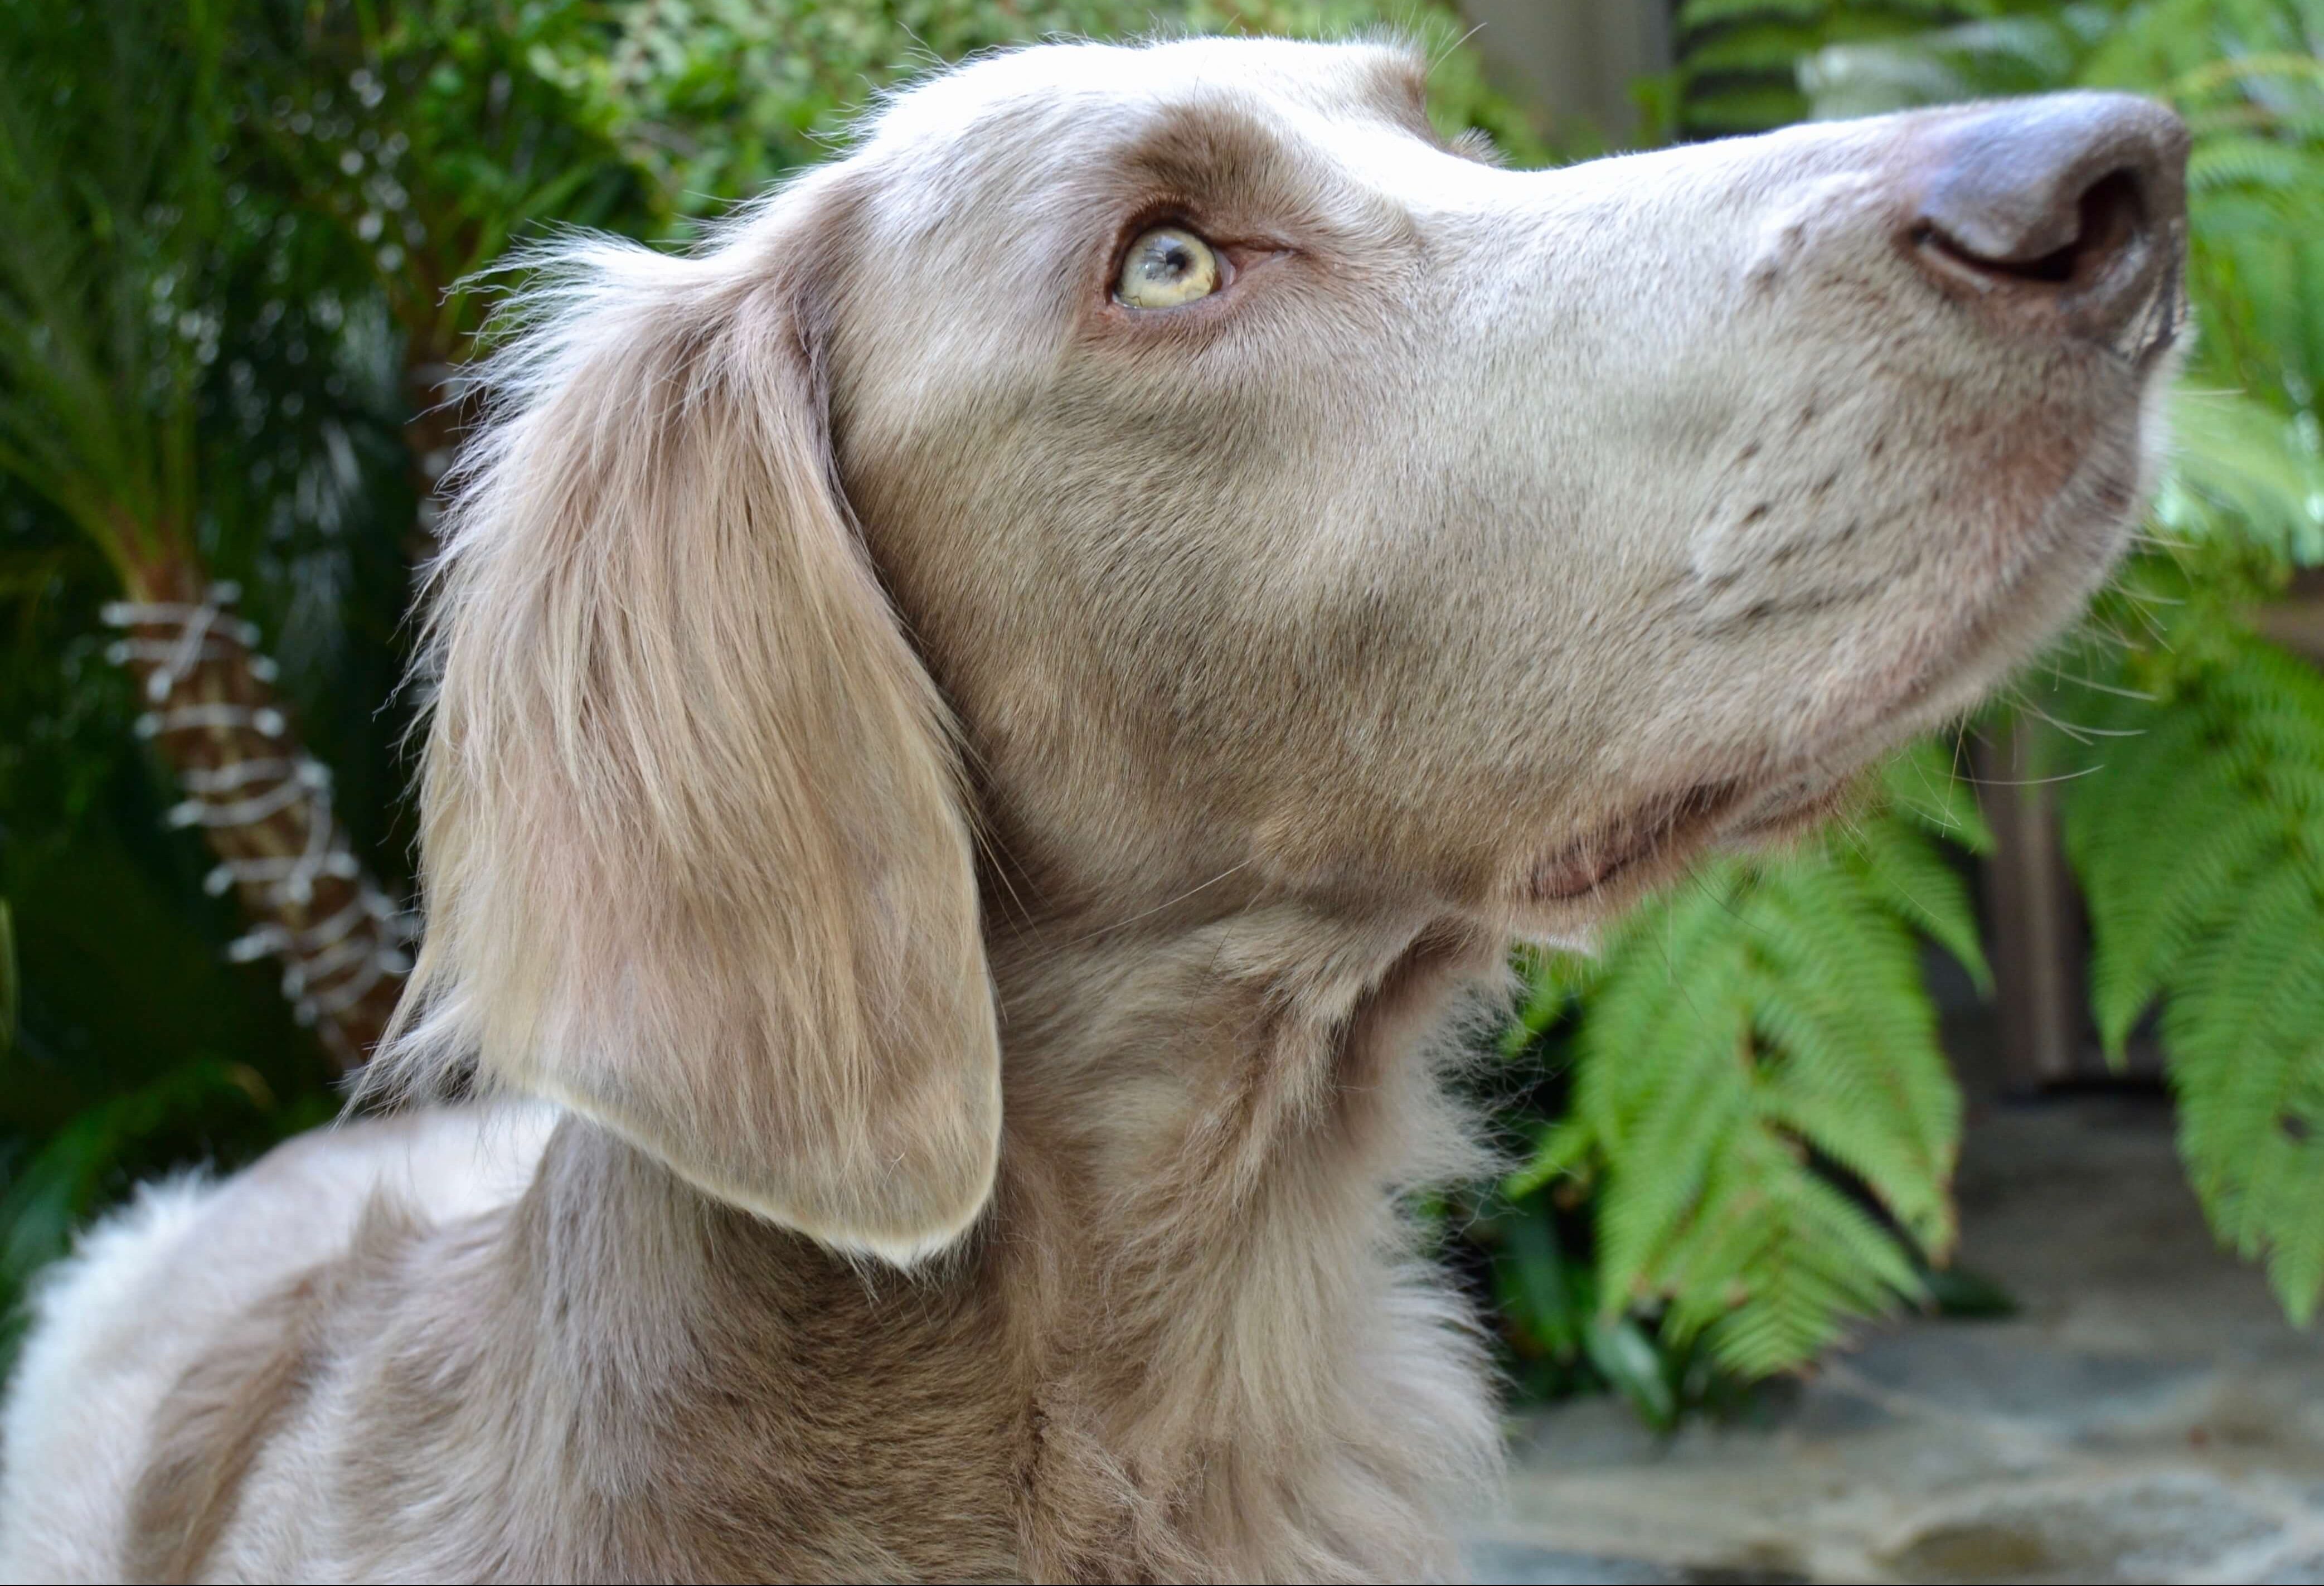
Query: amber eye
1165, 267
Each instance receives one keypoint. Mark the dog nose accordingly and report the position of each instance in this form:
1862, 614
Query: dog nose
2069, 210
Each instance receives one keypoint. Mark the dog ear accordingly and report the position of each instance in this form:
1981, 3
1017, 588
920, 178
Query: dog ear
696, 856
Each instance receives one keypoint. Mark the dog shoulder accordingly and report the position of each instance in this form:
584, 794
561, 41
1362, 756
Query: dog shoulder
177, 1333
88, 1377
237, 1394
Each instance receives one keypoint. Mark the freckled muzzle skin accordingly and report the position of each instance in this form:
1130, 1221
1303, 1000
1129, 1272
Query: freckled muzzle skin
1499, 537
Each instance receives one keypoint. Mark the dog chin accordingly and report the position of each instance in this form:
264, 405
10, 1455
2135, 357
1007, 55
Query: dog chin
1650, 841
1563, 898
1560, 897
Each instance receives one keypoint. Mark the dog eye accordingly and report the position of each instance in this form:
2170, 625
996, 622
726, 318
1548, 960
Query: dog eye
1165, 267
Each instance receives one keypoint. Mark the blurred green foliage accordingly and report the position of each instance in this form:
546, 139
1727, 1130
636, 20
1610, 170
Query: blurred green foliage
425, 138
717, 97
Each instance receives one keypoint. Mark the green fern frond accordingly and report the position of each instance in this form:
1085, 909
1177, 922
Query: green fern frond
1924, 785
2240, 468
1929, 798
1758, 1070
2199, 844
2245, 1035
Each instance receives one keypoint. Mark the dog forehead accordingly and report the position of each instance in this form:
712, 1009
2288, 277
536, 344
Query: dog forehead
1090, 86
1047, 140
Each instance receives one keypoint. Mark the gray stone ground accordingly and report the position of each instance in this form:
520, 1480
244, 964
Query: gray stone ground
2147, 1416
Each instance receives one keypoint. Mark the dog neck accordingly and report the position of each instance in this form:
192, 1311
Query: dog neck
1208, 1129
1202, 1338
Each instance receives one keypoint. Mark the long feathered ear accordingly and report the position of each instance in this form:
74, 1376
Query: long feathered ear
695, 853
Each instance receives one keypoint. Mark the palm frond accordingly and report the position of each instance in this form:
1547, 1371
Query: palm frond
103, 318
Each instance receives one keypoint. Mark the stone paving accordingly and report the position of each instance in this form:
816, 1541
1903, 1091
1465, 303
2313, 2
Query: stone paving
2146, 1416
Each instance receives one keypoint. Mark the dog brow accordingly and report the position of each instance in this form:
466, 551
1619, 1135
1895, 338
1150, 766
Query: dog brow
1213, 150
1401, 77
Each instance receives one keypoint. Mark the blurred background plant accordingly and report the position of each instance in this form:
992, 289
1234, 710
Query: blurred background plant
236, 300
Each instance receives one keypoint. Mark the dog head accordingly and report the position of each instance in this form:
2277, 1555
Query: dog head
1245, 480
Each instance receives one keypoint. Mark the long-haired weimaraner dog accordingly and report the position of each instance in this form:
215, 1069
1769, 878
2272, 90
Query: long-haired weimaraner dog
985, 722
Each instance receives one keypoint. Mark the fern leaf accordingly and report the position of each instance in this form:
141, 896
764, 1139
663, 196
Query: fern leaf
2239, 467
1924, 785
2201, 848
1928, 894
1757, 1067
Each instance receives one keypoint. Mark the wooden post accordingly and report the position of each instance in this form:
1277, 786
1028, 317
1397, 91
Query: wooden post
2035, 924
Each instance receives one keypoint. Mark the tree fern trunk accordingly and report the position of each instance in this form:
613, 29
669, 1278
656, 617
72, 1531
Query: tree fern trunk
265, 805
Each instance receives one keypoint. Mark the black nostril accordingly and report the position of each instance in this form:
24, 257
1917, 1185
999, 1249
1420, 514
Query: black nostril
2109, 217
2067, 212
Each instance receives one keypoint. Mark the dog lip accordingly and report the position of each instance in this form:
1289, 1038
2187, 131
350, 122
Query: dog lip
1698, 816
1791, 813
1656, 826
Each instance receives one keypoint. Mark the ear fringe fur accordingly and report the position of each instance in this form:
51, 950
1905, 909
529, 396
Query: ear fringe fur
694, 854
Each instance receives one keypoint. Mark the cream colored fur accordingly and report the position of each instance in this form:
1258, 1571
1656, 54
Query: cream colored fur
978, 807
